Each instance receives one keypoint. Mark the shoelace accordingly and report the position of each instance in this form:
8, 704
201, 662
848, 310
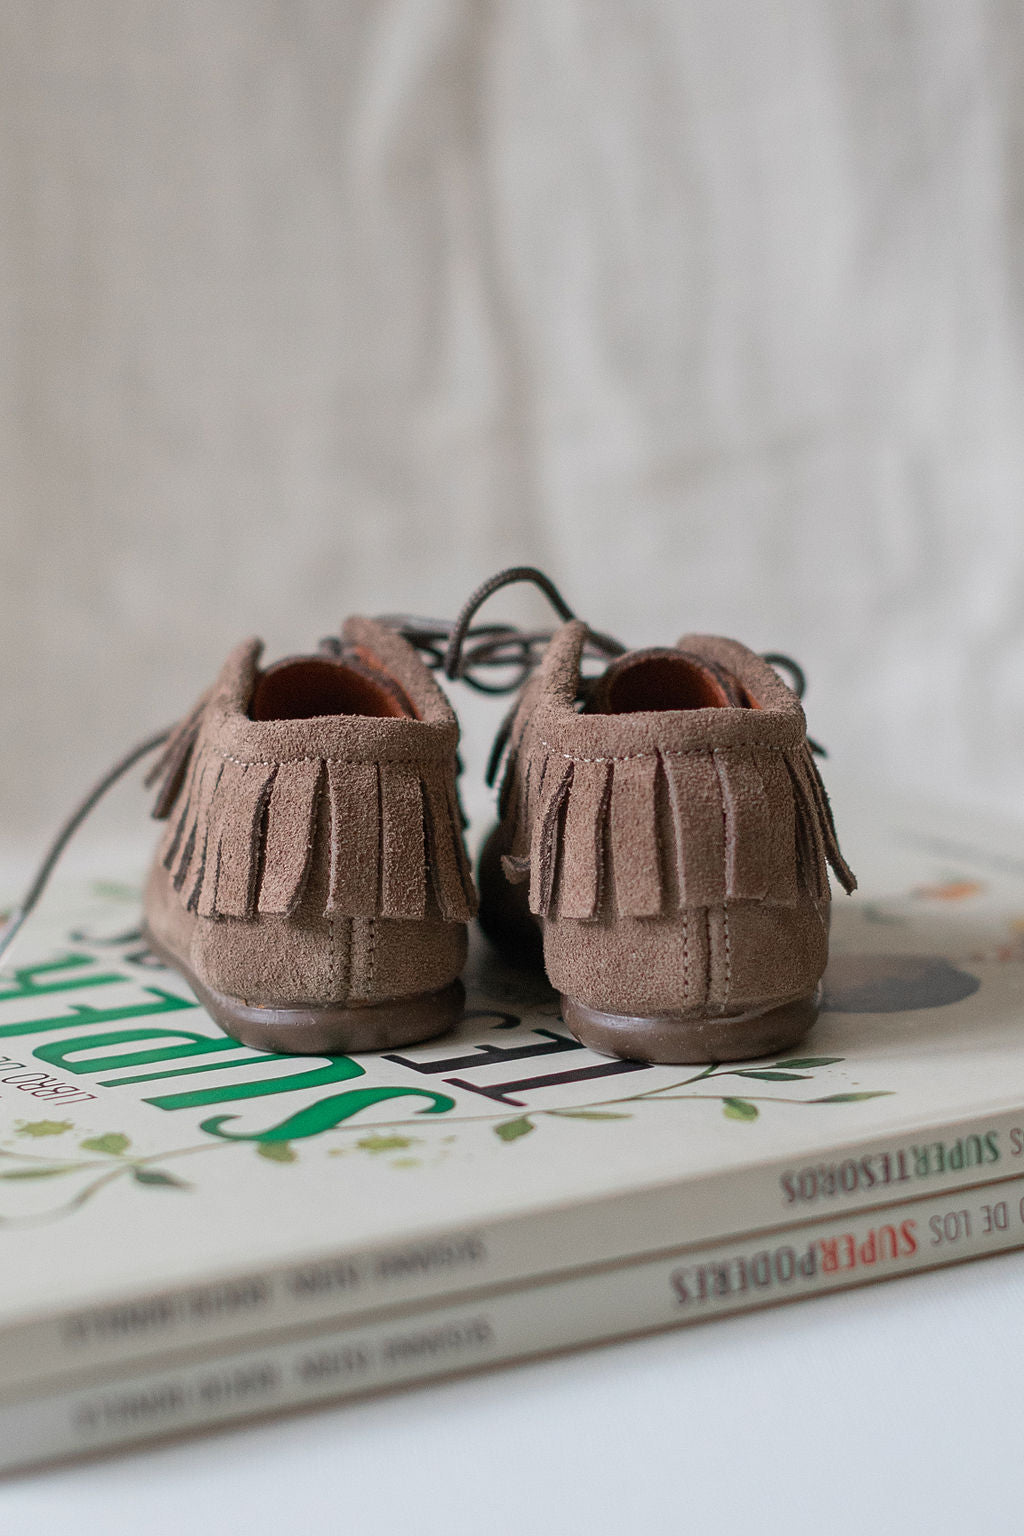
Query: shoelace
460, 649
66, 832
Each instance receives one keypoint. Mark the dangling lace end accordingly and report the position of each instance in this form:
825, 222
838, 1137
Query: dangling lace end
9, 931
17, 918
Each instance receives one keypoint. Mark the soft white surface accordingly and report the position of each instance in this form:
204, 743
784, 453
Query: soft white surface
714, 309
893, 1409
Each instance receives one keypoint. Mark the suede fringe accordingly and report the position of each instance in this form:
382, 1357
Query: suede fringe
240, 837
646, 835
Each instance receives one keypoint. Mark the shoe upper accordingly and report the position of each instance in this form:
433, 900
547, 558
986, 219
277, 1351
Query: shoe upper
639, 806
318, 794
672, 825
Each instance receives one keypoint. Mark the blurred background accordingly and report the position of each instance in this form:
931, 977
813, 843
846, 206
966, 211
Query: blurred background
715, 311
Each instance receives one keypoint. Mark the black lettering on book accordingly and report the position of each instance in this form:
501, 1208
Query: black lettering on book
147, 1315
769, 1269
323, 1279
501, 1092
40, 1085
145, 1405
239, 1385
429, 1343
445, 1254
951, 1227
156, 1314
332, 1364
489, 1055
229, 1298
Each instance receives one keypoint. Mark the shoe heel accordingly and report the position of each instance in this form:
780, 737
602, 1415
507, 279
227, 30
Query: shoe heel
326, 1029
682, 1039
335, 1029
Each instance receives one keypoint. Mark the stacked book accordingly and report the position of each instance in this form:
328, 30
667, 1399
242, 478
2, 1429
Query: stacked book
193, 1232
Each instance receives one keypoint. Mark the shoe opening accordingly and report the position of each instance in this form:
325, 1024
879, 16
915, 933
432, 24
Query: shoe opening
301, 688
656, 680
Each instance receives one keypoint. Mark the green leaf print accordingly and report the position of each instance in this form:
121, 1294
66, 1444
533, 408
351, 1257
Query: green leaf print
511, 1130
159, 1179
801, 1062
589, 1114
739, 1109
39, 1173
113, 1142
851, 1098
44, 1128
277, 1152
772, 1077
384, 1143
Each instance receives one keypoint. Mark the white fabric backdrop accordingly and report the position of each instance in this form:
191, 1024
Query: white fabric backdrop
714, 310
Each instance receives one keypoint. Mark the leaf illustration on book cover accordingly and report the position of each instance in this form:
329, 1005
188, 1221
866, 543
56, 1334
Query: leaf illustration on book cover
771, 1077
589, 1114
277, 1152
112, 1142
511, 1130
739, 1109
39, 1173
43, 1128
384, 1143
802, 1062
852, 1098
157, 1178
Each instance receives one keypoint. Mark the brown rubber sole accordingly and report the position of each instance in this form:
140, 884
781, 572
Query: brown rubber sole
328, 1029
681, 1040
671, 1039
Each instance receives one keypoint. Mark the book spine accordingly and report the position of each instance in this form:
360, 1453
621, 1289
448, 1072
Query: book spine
368, 1283
531, 1319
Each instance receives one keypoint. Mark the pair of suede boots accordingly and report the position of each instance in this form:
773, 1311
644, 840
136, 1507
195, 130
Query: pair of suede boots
662, 843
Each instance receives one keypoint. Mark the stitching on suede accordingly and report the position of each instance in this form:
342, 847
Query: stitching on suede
686, 954
277, 762
726, 850
573, 757
627, 757
371, 956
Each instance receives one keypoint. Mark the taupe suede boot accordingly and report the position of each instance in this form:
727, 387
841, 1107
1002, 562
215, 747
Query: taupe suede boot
665, 829
313, 885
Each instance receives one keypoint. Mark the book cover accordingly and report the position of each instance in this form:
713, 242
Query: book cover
164, 1189
283, 1369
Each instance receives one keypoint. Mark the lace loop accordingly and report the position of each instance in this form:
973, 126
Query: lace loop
797, 679
461, 648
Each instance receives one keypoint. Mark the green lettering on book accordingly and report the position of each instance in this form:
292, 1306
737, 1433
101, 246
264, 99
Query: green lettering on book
84, 1013
249, 1059
58, 1052
326, 1114
337, 1070
24, 983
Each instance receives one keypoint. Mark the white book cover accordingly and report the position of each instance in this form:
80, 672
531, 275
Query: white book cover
162, 1187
